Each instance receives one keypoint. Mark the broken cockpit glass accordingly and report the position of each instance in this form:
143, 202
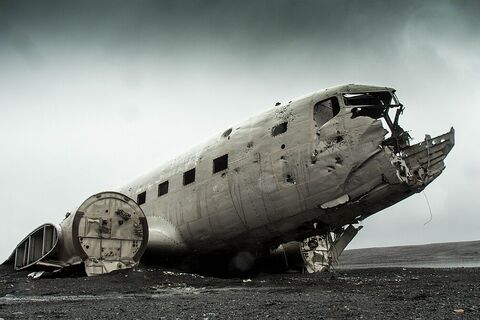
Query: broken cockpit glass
378, 105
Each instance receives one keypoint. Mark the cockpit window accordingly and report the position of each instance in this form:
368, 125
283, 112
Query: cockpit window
325, 110
379, 105
368, 98
370, 104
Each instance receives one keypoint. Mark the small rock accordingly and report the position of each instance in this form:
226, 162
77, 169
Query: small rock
459, 311
35, 275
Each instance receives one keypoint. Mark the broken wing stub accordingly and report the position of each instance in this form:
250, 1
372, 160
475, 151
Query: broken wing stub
107, 232
425, 160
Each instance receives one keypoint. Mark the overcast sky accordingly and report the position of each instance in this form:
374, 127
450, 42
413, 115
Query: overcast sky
94, 94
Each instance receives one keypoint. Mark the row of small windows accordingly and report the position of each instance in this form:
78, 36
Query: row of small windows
322, 112
219, 164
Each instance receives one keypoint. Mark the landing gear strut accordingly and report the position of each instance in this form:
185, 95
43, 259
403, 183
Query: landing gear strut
314, 254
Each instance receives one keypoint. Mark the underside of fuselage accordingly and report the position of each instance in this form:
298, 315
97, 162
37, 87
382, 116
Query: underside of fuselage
290, 185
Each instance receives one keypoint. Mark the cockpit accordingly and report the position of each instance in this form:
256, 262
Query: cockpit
366, 102
380, 105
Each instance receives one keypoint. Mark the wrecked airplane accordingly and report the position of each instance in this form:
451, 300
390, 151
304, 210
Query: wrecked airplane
291, 183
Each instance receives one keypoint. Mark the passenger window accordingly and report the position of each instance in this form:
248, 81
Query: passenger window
220, 163
279, 129
189, 177
325, 110
163, 188
141, 197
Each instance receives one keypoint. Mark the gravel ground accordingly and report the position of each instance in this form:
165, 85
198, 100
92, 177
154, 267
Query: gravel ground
156, 293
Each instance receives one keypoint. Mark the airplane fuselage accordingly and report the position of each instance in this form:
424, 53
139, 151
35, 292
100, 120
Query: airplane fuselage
309, 166
288, 184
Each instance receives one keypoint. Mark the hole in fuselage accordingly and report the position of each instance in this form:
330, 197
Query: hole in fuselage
227, 133
279, 129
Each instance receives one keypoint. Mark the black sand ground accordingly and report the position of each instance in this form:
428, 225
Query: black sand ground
155, 293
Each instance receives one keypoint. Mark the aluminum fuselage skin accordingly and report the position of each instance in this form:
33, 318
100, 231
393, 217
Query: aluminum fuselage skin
276, 188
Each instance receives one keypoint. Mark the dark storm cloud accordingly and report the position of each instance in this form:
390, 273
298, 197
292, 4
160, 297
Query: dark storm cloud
265, 25
253, 33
